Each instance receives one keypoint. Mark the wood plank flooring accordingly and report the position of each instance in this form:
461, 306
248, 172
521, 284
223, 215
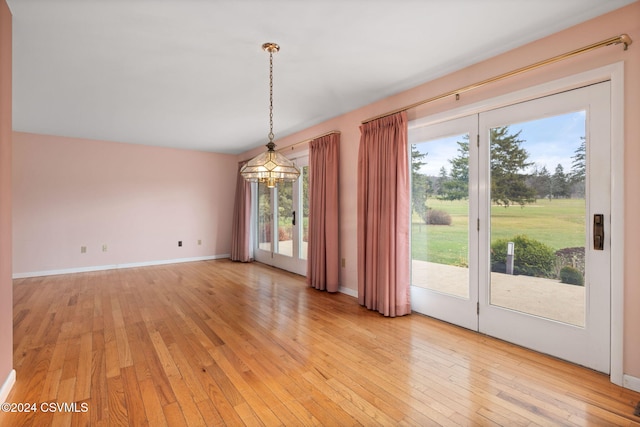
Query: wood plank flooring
219, 343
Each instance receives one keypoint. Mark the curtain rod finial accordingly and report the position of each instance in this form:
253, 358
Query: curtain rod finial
624, 38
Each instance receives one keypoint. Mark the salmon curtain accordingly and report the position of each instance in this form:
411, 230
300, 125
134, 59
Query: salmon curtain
241, 227
323, 257
383, 216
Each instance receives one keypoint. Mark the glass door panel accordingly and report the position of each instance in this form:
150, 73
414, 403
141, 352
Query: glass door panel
440, 215
285, 218
538, 211
265, 218
304, 244
443, 273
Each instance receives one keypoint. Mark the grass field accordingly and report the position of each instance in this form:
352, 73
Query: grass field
557, 223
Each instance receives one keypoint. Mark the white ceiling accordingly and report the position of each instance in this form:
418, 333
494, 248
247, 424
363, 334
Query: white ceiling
192, 74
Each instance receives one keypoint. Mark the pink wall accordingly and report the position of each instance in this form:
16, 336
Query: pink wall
138, 200
625, 20
6, 292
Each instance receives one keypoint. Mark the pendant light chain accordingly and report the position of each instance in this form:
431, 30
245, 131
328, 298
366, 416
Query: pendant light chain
270, 167
270, 96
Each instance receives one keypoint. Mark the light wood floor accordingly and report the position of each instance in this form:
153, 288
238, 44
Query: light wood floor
221, 343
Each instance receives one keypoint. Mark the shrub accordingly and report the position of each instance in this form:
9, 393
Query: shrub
437, 217
571, 276
531, 257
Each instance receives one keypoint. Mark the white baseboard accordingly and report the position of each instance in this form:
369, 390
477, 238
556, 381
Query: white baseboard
631, 383
348, 291
7, 386
115, 266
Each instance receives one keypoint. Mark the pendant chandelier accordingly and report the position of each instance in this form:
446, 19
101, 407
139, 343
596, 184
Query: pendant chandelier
270, 167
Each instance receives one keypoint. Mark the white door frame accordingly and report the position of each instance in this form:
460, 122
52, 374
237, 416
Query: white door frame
614, 73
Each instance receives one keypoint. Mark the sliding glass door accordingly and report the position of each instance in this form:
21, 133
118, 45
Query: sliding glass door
282, 219
511, 215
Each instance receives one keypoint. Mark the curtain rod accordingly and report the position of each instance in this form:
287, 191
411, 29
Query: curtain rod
623, 38
308, 140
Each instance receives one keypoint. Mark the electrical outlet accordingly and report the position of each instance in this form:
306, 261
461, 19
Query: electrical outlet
199, 242
83, 249
104, 248
343, 262
179, 242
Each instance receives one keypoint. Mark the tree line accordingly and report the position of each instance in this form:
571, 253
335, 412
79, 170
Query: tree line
511, 184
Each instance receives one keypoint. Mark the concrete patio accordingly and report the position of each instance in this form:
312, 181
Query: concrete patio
540, 297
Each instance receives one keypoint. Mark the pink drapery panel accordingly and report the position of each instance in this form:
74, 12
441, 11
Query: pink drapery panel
241, 227
323, 257
383, 216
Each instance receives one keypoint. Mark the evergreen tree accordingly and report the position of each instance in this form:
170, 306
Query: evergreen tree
560, 186
540, 181
508, 162
442, 178
432, 185
579, 165
419, 183
416, 159
544, 183
579, 169
457, 186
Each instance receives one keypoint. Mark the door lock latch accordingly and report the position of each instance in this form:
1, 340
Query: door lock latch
598, 232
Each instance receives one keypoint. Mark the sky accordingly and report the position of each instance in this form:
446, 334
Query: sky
549, 141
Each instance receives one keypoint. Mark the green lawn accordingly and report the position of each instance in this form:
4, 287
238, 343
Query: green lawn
557, 223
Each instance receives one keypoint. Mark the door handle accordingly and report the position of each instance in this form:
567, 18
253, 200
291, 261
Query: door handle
598, 232
293, 221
